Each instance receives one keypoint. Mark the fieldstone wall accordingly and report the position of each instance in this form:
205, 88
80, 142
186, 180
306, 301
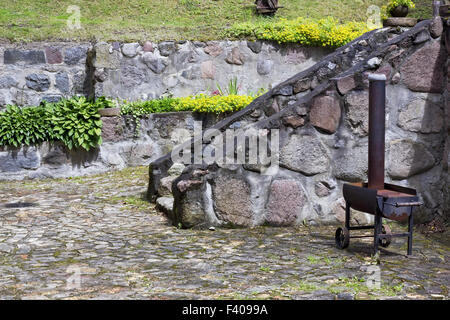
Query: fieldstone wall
32, 72
123, 145
133, 71
321, 112
322, 115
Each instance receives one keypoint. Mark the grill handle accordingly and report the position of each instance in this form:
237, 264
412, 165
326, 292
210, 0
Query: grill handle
408, 204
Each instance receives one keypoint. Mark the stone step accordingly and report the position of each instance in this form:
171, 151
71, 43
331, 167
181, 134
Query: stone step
165, 204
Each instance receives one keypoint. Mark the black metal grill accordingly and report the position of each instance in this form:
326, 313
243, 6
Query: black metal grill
377, 197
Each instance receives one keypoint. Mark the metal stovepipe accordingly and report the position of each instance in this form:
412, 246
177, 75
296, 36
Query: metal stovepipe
377, 103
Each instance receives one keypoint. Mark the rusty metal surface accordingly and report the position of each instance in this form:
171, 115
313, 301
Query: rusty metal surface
386, 193
377, 102
447, 38
392, 211
360, 198
405, 190
375, 197
393, 202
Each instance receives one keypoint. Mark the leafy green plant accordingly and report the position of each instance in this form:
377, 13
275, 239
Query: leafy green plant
27, 126
232, 88
213, 104
396, 3
392, 4
104, 103
199, 103
76, 123
258, 93
141, 108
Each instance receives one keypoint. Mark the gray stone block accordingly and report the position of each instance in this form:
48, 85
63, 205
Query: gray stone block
28, 57
130, 49
305, 154
8, 81
255, 46
38, 82
105, 57
157, 65
408, 158
166, 48
51, 98
26, 158
424, 114
62, 82
75, 55
132, 76
351, 164
264, 66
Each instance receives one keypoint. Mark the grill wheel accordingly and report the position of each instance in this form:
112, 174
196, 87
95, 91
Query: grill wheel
342, 238
385, 242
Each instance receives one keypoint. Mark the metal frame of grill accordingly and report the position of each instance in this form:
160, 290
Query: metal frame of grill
376, 197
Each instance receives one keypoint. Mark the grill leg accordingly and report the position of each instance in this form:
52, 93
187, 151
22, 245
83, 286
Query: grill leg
410, 230
347, 215
377, 231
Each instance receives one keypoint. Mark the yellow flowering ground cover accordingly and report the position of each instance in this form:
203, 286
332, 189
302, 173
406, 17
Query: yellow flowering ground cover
213, 104
199, 103
327, 32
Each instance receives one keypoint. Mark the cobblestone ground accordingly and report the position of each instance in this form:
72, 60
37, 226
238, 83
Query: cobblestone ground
95, 238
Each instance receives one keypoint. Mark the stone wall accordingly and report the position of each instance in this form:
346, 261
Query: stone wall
32, 72
322, 115
133, 71
123, 145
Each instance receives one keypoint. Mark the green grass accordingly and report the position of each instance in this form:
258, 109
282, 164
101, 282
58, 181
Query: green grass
353, 285
265, 269
313, 259
156, 20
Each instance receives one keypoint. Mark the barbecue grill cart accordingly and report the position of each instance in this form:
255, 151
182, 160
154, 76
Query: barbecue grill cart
376, 197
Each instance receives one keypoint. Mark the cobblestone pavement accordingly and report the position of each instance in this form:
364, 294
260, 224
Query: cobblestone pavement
95, 238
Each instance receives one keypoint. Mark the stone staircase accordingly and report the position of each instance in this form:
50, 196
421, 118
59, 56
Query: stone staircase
321, 115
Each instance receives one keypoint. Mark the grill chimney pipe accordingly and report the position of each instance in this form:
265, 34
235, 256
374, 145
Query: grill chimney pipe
377, 103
